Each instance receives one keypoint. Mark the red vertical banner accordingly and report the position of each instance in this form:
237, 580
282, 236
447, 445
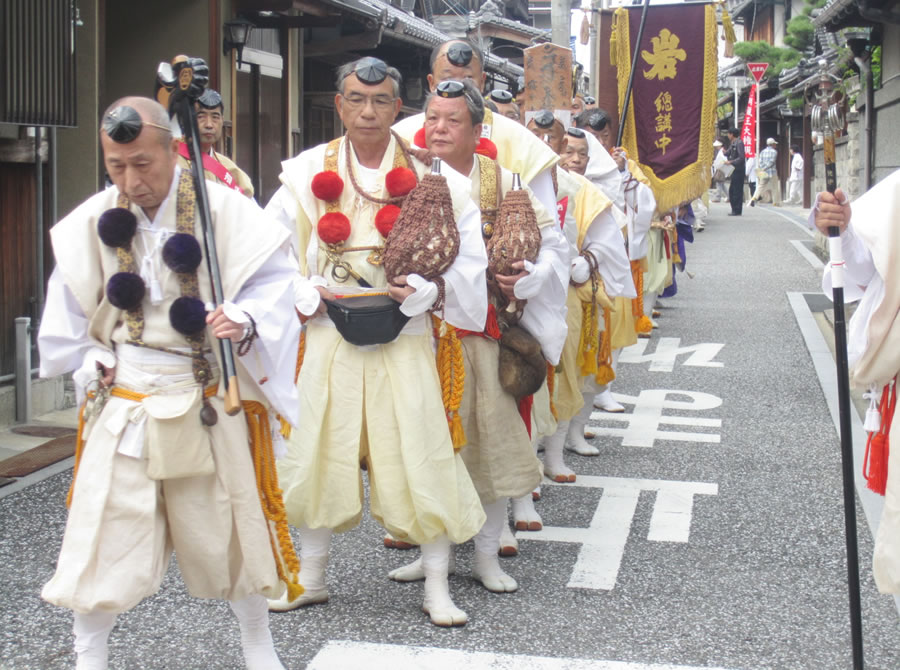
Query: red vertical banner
748, 130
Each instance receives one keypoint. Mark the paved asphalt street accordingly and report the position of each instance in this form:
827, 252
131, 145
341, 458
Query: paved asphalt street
707, 534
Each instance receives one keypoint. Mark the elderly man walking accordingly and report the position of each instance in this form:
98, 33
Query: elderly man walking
767, 175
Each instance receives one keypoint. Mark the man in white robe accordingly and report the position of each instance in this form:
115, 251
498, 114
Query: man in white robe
149, 477
380, 403
498, 451
870, 241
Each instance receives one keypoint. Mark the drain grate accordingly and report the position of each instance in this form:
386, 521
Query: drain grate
43, 431
39, 457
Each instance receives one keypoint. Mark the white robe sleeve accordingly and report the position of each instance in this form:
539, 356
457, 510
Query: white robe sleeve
542, 189
268, 296
859, 268
639, 207
63, 339
465, 285
545, 313
604, 242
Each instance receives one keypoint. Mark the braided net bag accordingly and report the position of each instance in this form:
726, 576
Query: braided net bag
516, 237
425, 239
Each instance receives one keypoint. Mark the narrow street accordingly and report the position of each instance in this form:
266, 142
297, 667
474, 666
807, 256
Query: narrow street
709, 533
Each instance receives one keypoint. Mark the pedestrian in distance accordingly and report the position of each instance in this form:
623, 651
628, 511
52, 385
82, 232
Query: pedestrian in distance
795, 181
735, 158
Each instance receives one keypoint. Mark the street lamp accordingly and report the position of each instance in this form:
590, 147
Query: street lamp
235, 36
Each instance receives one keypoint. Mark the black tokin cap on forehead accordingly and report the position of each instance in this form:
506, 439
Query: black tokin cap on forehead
123, 124
501, 95
371, 71
450, 88
460, 53
544, 119
210, 99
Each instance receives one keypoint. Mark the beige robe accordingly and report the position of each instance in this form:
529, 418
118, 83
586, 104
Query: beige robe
123, 525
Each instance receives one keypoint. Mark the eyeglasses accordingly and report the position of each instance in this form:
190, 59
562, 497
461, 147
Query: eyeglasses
501, 95
379, 102
575, 132
450, 88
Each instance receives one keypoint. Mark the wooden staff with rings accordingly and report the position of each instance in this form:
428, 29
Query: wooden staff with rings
826, 118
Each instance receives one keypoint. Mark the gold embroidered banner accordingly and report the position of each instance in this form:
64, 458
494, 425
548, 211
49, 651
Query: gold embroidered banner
670, 125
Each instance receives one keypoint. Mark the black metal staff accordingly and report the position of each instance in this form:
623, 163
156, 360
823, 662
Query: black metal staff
826, 118
183, 97
637, 46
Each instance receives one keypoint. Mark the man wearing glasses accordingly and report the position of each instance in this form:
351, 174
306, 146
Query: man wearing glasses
379, 404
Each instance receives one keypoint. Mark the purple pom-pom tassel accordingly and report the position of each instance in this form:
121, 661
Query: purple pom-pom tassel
125, 290
181, 253
188, 315
116, 227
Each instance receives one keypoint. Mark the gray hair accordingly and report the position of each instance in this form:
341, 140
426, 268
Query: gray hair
347, 69
472, 96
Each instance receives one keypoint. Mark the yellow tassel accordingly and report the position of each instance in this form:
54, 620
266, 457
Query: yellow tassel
79, 449
294, 591
457, 434
587, 360
643, 324
605, 373
612, 46
452, 375
728, 27
551, 384
301, 352
285, 429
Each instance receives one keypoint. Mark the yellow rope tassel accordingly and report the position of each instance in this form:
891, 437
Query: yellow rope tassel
590, 339
301, 352
728, 31
551, 384
612, 44
79, 449
285, 429
642, 322
453, 378
286, 562
605, 373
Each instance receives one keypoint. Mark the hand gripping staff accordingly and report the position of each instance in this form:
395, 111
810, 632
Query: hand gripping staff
826, 118
186, 80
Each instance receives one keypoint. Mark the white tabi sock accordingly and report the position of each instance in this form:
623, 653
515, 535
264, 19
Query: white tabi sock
91, 636
509, 545
414, 572
525, 515
575, 437
256, 639
438, 604
314, 546
604, 400
554, 465
487, 568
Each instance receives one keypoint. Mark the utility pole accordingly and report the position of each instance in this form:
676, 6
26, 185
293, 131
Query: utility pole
560, 21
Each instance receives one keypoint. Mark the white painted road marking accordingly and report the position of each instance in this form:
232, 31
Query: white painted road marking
644, 421
337, 655
668, 350
603, 541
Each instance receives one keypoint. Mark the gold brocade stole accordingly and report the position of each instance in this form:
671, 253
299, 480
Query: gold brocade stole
185, 215
489, 201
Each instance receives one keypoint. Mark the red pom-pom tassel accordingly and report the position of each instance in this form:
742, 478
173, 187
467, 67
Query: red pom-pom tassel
327, 185
333, 228
400, 181
486, 148
419, 138
385, 219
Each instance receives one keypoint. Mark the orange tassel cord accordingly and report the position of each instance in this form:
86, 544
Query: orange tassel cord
452, 374
590, 339
301, 352
642, 324
605, 373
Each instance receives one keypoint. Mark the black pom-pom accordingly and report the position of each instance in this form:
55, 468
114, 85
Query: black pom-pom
182, 253
188, 315
125, 290
116, 227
